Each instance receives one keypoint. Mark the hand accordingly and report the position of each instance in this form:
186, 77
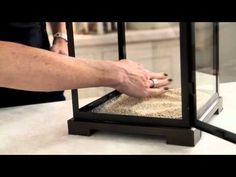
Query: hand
137, 81
60, 46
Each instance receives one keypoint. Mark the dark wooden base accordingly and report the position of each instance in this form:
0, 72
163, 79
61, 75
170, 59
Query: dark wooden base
175, 136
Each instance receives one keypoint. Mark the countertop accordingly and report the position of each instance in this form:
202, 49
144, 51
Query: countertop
42, 129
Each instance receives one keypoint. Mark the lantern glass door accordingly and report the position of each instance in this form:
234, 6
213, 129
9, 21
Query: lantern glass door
206, 79
207, 69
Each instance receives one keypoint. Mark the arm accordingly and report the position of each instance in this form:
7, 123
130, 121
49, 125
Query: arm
58, 27
59, 45
34, 69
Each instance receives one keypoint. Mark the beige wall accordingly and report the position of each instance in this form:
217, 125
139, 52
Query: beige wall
157, 50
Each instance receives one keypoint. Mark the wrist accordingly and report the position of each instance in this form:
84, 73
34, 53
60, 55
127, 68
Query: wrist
114, 75
60, 35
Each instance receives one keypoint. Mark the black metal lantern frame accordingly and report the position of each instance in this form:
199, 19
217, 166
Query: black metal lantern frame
186, 131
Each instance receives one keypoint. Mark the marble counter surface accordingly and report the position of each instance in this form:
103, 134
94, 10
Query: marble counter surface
42, 129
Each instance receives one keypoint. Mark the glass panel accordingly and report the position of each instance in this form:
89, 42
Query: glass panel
95, 40
223, 124
205, 76
157, 46
227, 59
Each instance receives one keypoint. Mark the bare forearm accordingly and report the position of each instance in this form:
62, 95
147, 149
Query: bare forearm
28, 68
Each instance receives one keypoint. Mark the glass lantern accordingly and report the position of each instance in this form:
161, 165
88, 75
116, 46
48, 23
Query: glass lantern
187, 51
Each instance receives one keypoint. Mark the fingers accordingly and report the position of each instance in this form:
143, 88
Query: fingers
161, 82
162, 87
153, 75
157, 91
142, 82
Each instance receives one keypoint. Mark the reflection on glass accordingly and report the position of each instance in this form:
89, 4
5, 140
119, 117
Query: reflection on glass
205, 77
157, 46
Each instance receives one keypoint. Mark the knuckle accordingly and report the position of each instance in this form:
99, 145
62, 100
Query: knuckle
146, 85
146, 94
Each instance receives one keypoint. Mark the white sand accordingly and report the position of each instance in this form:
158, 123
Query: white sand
167, 105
